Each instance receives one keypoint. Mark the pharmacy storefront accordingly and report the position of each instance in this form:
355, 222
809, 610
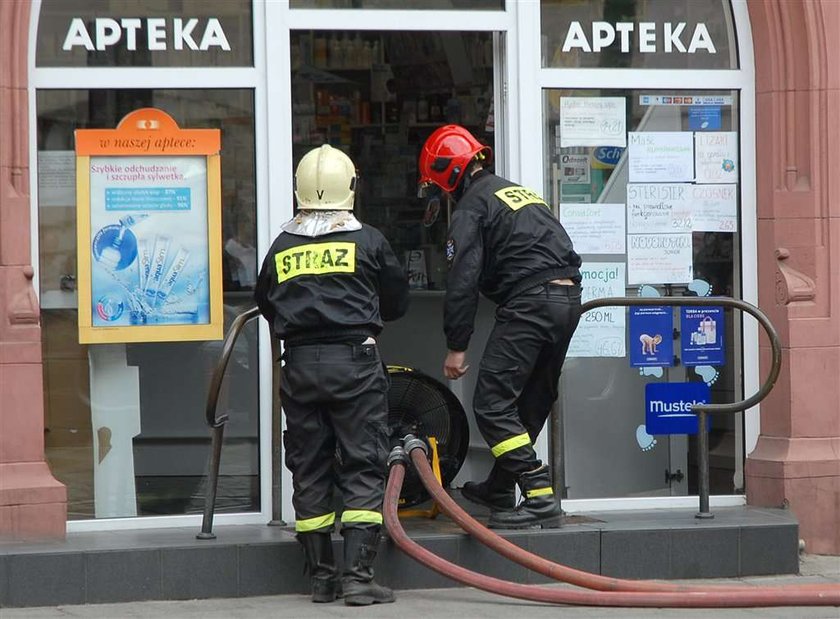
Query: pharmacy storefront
635, 120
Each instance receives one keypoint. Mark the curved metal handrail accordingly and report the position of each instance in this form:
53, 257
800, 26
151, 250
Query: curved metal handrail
217, 423
221, 366
703, 409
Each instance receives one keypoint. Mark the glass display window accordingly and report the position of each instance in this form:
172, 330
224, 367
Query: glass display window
125, 429
647, 183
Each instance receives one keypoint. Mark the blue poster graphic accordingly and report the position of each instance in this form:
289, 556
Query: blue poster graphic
150, 255
651, 336
704, 118
668, 407
702, 336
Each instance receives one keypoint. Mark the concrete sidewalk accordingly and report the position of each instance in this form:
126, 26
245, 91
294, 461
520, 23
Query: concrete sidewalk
463, 603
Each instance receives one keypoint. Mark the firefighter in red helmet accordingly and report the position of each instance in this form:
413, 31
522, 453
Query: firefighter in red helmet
505, 243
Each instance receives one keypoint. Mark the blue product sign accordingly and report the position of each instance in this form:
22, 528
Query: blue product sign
668, 407
606, 157
702, 336
651, 336
704, 118
147, 199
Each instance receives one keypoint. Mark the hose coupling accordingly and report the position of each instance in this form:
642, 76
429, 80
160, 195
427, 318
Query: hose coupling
398, 454
411, 442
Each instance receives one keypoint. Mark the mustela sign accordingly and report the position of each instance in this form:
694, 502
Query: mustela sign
155, 34
646, 37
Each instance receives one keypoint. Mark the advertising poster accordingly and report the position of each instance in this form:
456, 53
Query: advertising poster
148, 231
601, 331
149, 254
714, 208
668, 407
702, 336
593, 121
716, 157
651, 336
661, 156
659, 208
574, 169
659, 259
595, 228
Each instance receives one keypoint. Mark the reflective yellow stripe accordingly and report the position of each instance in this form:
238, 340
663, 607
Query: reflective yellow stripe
313, 524
510, 444
361, 515
539, 492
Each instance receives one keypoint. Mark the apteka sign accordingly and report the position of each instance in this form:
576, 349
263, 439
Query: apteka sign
161, 34
648, 37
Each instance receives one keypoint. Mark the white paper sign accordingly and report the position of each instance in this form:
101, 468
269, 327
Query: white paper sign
56, 178
593, 121
595, 228
600, 332
659, 259
715, 208
659, 208
716, 156
661, 156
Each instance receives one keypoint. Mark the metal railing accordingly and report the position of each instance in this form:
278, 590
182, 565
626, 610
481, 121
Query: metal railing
702, 410
217, 422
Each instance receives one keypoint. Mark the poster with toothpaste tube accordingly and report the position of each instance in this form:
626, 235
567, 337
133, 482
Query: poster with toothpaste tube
149, 241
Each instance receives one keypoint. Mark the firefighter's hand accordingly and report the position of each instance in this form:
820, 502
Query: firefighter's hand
453, 366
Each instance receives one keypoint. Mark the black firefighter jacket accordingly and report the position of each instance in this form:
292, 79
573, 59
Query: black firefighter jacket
503, 240
336, 287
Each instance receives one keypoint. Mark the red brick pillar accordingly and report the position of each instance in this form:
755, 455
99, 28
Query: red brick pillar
797, 459
32, 502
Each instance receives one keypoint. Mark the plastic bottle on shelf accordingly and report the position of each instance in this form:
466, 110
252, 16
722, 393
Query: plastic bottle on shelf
320, 52
334, 53
453, 108
422, 109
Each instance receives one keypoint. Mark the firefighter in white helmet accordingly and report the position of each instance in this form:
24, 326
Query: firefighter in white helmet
327, 284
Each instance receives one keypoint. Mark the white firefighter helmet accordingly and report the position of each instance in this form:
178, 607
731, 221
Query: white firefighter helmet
325, 180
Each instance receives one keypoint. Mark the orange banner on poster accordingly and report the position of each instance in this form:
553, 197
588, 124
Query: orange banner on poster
147, 131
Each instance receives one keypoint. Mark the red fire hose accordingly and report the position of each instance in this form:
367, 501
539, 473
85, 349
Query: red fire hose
647, 599
555, 571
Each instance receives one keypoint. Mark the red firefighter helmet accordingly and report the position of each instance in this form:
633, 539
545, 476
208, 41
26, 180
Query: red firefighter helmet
446, 155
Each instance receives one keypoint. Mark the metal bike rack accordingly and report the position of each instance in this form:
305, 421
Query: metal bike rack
702, 410
217, 421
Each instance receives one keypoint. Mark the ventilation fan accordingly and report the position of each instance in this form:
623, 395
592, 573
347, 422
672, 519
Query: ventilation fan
420, 405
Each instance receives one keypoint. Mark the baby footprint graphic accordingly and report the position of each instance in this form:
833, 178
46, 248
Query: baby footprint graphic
651, 371
707, 373
700, 287
645, 440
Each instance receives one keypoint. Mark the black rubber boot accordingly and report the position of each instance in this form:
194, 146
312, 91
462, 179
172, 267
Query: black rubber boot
495, 492
539, 508
357, 581
326, 586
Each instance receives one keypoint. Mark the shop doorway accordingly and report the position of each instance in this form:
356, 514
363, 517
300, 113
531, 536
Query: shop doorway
378, 95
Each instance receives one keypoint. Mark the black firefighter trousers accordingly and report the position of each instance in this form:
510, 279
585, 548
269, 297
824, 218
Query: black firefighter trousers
335, 397
519, 372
